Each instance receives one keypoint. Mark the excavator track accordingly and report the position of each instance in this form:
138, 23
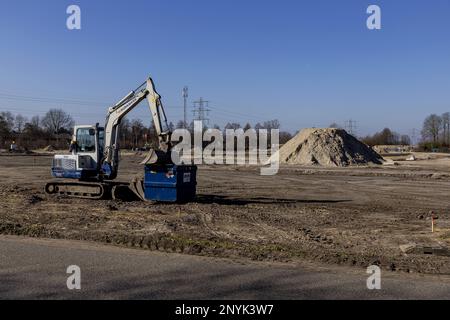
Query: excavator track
132, 191
84, 190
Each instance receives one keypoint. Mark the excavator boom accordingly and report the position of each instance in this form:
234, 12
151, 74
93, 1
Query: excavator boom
110, 162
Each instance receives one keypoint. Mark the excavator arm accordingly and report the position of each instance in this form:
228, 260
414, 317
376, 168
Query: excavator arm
110, 161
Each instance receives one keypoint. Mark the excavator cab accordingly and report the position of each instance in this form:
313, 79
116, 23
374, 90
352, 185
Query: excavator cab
84, 161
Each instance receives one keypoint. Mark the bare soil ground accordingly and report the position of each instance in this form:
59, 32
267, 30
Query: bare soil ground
349, 216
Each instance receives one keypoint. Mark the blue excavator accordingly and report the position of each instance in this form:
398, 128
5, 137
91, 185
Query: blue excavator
92, 167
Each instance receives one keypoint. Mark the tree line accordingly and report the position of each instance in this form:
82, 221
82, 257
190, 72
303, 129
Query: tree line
436, 131
384, 137
435, 134
387, 137
37, 132
55, 129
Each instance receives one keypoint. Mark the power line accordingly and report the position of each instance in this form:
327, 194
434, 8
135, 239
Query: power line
238, 113
60, 100
51, 100
88, 103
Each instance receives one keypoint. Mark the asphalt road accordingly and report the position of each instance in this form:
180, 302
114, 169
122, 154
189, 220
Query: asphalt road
36, 269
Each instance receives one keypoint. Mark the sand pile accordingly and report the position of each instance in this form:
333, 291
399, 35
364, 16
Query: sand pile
327, 147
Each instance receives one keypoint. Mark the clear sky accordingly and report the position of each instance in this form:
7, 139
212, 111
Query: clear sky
306, 63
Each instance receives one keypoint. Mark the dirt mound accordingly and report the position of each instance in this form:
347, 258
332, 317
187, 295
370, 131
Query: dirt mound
327, 147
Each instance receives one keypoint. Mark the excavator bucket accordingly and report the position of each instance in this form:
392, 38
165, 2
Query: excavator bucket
137, 186
133, 191
151, 157
124, 192
157, 156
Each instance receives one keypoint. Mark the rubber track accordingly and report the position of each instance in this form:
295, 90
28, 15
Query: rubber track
63, 188
133, 191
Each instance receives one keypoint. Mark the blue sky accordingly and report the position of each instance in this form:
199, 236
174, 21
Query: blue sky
306, 63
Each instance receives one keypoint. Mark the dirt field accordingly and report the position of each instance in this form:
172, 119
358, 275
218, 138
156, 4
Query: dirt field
351, 216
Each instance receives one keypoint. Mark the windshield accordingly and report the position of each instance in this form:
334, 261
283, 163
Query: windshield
86, 139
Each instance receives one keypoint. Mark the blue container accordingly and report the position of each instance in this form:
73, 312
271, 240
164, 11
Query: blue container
170, 183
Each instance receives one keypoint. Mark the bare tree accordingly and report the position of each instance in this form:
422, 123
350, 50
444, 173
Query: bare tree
285, 137
4, 129
431, 128
334, 125
247, 126
57, 121
446, 128
125, 133
271, 124
35, 121
233, 126
137, 128
19, 123
8, 119
405, 140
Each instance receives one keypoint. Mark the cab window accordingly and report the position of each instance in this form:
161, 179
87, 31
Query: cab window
86, 139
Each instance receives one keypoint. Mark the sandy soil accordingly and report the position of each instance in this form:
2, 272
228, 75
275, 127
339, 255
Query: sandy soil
348, 216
